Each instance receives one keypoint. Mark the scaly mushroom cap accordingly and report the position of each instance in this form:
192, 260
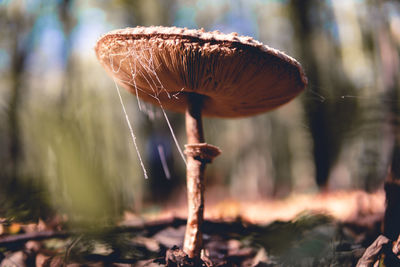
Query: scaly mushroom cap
237, 75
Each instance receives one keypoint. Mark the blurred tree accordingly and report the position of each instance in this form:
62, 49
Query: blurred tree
374, 152
329, 117
13, 178
388, 71
66, 17
147, 12
20, 49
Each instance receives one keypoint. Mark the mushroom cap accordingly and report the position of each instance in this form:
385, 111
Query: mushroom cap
236, 75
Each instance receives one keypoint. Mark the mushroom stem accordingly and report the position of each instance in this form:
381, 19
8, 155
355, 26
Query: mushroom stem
194, 178
194, 124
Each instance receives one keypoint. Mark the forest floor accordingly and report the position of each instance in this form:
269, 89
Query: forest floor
331, 229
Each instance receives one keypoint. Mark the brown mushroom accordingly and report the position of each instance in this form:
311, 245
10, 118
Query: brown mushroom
200, 73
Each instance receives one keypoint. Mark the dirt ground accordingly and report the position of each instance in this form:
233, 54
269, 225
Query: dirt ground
319, 230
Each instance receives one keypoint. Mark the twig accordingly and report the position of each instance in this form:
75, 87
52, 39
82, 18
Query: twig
22, 238
150, 228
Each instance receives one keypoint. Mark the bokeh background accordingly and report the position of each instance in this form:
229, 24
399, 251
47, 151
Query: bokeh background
65, 147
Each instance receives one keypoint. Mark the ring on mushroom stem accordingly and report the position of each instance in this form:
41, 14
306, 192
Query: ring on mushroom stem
200, 74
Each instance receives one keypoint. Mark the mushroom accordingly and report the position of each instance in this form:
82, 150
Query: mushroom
201, 74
